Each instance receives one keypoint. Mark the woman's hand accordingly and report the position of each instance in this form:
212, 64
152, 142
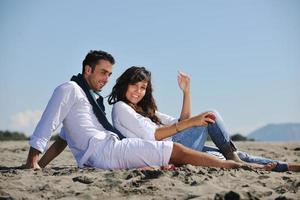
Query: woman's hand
183, 81
203, 119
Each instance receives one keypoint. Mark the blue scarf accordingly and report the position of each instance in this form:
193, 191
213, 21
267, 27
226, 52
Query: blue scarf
98, 109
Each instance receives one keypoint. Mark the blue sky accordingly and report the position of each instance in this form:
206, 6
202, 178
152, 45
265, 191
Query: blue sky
243, 56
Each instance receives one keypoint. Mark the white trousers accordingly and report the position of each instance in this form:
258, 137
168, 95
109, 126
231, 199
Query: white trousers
130, 153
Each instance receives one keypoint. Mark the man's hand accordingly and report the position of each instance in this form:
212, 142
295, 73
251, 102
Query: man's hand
33, 165
32, 159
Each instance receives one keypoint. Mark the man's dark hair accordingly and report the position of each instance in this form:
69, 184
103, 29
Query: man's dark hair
94, 56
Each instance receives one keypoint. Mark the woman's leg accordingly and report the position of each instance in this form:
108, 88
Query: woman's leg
193, 138
221, 138
183, 155
280, 167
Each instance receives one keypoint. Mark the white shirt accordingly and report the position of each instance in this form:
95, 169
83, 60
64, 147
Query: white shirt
133, 125
69, 106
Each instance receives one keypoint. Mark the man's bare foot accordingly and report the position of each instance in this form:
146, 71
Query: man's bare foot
295, 167
267, 167
270, 166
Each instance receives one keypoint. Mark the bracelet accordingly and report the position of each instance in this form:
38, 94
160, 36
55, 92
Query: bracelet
176, 126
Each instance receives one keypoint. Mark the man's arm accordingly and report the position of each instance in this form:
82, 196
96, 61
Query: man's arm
56, 148
56, 110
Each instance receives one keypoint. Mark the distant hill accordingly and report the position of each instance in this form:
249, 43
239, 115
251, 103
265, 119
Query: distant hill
277, 132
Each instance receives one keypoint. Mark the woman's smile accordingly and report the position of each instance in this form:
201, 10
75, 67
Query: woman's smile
136, 92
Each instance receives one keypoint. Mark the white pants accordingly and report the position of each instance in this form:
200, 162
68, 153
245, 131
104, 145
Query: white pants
130, 153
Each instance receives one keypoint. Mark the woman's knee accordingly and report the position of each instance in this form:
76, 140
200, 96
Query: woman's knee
216, 113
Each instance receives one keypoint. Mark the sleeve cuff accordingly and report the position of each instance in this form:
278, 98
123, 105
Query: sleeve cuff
38, 143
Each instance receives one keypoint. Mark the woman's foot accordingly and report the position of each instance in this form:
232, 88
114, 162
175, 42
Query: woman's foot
234, 156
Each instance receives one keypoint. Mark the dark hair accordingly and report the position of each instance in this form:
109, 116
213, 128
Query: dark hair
132, 75
94, 56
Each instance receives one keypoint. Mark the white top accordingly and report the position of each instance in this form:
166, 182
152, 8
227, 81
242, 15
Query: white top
133, 125
69, 106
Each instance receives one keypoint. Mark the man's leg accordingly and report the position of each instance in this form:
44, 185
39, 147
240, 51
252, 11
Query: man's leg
136, 153
130, 153
182, 155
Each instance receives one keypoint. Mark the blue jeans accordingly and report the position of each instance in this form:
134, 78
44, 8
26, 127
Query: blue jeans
195, 138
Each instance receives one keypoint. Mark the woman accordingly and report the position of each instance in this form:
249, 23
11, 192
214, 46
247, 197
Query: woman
135, 114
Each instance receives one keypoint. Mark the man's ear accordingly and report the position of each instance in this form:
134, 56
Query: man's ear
87, 69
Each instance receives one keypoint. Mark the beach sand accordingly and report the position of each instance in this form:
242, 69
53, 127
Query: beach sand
63, 180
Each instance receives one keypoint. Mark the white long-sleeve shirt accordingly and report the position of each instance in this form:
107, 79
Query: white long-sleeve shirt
133, 125
69, 106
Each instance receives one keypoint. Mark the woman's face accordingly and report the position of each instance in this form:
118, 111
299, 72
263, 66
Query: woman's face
136, 92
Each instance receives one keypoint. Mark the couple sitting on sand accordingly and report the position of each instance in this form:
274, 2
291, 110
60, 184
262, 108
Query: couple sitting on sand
141, 136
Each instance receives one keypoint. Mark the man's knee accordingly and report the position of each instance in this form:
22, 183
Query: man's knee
178, 153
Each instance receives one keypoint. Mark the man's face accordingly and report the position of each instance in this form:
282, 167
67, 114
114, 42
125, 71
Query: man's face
99, 77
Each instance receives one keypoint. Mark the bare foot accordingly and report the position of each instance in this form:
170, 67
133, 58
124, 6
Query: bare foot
234, 156
146, 168
267, 167
270, 166
168, 167
295, 167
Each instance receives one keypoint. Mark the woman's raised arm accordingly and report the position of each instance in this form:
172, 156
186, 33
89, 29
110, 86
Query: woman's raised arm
184, 84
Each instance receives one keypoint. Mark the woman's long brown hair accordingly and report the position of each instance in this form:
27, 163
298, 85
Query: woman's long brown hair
147, 106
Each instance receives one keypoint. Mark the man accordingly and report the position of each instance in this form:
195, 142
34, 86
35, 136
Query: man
93, 141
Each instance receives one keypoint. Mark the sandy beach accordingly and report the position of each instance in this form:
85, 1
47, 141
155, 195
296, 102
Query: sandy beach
63, 180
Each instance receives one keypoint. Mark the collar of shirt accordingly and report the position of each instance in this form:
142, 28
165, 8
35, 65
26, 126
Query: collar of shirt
95, 95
